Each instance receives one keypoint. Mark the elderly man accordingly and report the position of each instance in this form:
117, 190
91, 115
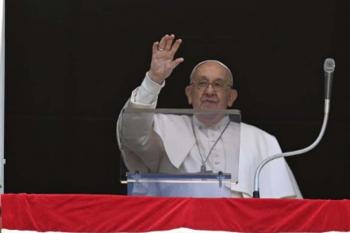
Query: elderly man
168, 143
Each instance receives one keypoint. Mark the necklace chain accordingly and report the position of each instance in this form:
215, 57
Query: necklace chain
204, 160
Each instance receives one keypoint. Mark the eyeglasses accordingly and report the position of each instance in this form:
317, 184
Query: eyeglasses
217, 85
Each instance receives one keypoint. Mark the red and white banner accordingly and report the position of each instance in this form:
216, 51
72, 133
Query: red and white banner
112, 213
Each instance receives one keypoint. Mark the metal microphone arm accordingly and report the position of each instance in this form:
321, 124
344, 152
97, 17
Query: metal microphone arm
329, 65
256, 193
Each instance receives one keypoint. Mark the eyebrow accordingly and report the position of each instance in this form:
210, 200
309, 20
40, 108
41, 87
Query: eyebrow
218, 79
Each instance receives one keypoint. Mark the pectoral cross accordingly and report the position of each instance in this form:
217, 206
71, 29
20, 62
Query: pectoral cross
203, 169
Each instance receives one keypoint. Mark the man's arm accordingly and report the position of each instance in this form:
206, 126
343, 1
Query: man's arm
135, 133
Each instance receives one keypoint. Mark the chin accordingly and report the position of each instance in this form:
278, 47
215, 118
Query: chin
208, 106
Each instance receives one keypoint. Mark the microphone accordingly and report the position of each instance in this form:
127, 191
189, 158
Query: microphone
328, 67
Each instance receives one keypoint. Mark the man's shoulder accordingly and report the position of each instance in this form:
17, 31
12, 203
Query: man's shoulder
253, 131
258, 142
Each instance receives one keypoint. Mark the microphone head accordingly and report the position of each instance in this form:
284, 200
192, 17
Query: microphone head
329, 65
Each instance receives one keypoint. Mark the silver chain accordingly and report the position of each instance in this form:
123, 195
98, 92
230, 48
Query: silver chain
204, 161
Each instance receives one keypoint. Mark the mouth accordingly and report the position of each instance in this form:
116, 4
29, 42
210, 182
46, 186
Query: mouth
209, 103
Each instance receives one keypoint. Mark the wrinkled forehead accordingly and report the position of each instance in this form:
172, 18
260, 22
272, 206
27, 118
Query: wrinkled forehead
209, 66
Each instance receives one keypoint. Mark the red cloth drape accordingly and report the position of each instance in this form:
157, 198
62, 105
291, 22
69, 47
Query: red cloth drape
112, 213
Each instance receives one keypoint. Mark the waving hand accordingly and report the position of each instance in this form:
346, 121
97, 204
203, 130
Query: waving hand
163, 62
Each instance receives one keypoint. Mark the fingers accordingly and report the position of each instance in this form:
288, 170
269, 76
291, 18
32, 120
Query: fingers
166, 43
163, 42
176, 46
169, 42
155, 47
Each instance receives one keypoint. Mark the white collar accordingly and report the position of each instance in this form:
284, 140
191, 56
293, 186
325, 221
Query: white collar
218, 126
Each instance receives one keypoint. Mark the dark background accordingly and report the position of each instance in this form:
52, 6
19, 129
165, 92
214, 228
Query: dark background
71, 64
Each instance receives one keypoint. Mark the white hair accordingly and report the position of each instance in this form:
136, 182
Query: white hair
214, 61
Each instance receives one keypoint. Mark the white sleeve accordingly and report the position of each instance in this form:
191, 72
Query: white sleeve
147, 94
141, 147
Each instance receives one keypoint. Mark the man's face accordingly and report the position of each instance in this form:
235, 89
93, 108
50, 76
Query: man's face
210, 88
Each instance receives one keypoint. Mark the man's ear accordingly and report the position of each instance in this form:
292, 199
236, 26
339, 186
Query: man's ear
232, 96
188, 91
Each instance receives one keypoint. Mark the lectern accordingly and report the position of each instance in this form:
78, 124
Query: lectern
180, 152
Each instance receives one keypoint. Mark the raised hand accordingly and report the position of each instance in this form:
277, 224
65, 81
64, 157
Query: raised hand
163, 62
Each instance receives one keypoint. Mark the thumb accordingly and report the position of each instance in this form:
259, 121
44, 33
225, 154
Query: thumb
176, 62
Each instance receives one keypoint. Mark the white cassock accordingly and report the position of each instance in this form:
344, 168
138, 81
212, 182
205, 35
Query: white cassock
166, 143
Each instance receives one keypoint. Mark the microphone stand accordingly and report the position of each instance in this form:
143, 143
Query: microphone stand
329, 66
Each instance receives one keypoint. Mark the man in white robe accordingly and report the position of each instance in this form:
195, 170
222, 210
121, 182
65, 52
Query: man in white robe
173, 144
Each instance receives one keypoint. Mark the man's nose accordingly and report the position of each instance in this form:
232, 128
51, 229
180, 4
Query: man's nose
210, 89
